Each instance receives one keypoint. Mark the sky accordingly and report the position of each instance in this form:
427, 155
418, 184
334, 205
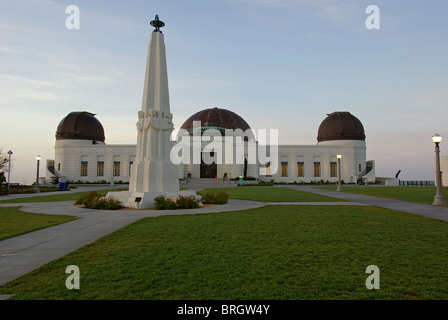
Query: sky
280, 64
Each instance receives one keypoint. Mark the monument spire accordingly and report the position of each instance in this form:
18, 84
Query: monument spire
155, 93
153, 172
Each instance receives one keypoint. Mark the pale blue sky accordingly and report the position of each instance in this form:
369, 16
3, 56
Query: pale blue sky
279, 64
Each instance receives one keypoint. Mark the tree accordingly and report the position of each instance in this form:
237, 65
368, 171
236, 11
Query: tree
4, 159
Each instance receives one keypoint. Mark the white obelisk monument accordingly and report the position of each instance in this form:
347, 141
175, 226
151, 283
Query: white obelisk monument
153, 173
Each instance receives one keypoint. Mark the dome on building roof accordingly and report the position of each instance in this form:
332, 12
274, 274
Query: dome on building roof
341, 125
219, 119
80, 126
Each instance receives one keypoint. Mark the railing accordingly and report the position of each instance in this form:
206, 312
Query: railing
417, 183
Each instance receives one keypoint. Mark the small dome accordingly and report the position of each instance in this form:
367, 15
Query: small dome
341, 126
80, 126
219, 119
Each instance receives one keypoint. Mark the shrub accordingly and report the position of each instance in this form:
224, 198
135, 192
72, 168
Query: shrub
94, 200
215, 198
208, 197
88, 198
108, 203
222, 198
187, 202
164, 203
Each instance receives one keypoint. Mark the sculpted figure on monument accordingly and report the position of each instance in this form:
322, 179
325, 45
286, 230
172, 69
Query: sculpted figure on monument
152, 120
152, 125
167, 127
167, 121
141, 118
140, 136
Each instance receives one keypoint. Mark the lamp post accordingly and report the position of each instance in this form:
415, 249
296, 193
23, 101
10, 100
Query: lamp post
9, 169
339, 173
36, 189
439, 199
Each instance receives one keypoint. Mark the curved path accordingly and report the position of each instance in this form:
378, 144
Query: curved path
420, 209
22, 254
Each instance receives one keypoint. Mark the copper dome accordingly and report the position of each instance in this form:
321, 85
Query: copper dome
216, 118
341, 126
80, 126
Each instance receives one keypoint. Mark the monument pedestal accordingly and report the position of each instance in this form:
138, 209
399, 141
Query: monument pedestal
154, 176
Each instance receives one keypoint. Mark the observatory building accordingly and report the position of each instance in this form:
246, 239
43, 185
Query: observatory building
81, 152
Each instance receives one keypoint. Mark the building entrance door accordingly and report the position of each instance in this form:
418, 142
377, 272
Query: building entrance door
208, 170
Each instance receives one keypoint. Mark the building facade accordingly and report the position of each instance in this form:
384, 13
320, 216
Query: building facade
81, 153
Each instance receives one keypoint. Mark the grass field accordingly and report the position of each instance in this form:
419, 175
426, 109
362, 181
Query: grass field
287, 252
413, 194
272, 194
14, 222
63, 196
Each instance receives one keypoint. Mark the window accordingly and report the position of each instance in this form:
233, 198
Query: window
300, 169
130, 166
84, 165
100, 169
268, 170
333, 169
317, 169
116, 168
284, 169
359, 167
59, 167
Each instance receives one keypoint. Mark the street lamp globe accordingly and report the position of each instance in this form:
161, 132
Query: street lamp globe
436, 138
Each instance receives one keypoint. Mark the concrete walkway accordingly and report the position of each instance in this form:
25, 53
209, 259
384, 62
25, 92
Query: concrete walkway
420, 209
22, 254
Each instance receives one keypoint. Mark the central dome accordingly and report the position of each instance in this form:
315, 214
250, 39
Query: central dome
216, 118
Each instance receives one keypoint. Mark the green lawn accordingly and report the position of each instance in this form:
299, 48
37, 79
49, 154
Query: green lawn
413, 194
274, 252
63, 196
14, 222
272, 194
